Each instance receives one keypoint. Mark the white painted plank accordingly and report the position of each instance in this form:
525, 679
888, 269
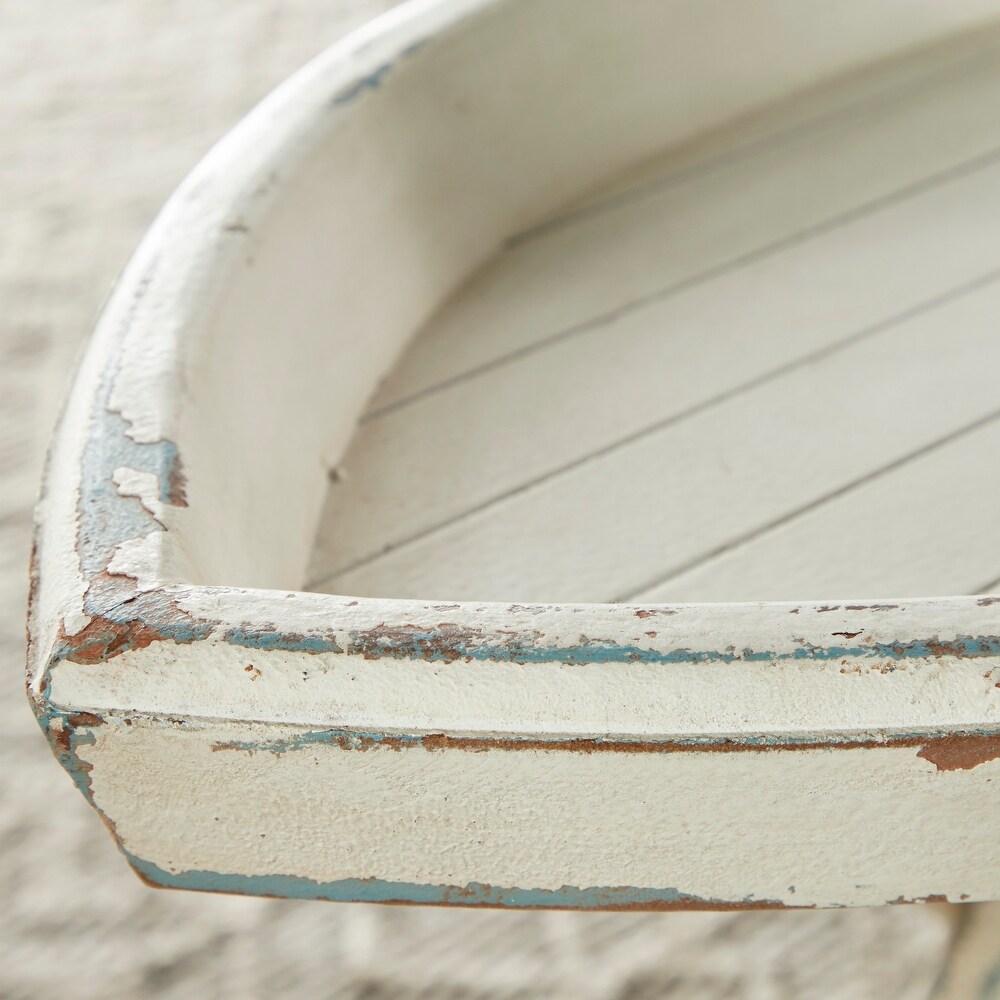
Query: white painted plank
467, 819
928, 527
823, 104
707, 219
610, 527
417, 468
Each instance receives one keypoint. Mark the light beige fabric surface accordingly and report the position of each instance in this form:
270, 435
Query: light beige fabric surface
104, 107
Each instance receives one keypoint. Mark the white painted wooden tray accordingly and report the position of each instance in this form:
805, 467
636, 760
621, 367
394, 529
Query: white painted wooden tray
745, 310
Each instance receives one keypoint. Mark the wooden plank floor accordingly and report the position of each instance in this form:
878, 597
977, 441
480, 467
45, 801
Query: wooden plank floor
762, 368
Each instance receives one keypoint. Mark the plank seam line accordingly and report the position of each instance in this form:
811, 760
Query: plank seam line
926, 184
987, 588
945, 298
798, 512
958, 71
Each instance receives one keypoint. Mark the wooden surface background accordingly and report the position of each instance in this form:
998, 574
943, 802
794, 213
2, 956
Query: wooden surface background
756, 370
106, 105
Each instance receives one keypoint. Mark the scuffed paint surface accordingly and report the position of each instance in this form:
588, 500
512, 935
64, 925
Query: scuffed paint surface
449, 643
122, 616
125, 617
106, 518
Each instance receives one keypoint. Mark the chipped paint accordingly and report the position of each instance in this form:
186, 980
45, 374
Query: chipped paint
961, 753
66, 733
473, 894
124, 617
108, 519
949, 752
79, 719
103, 639
130, 620
370, 81
448, 643
265, 639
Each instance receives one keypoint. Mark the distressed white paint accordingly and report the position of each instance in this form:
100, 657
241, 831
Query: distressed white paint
631, 820
807, 698
249, 331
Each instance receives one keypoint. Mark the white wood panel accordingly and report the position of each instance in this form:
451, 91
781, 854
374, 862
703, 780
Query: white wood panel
927, 527
712, 206
419, 467
486, 830
532, 455
415, 467
819, 106
607, 528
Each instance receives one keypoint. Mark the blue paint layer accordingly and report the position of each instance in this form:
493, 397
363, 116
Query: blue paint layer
445, 646
67, 754
374, 890
349, 739
372, 81
353, 739
260, 639
106, 517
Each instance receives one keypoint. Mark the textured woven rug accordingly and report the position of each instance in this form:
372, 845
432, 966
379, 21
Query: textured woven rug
106, 105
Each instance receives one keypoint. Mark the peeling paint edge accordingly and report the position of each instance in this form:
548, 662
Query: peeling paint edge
68, 731
449, 644
61, 731
622, 898
946, 751
473, 894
